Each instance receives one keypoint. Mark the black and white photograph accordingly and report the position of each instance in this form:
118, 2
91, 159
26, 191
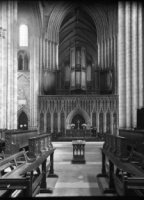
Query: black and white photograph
71, 99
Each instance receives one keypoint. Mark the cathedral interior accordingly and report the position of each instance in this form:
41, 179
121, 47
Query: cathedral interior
73, 70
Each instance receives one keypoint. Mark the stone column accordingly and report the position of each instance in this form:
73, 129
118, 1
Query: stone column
45, 122
112, 51
97, 121
104, 122
128, 63
102, 56
121, 64
3, 64
41, 66
140, 56
98, 54
134, 64
11, 65
3, 79
52, 122
105, 54
108, 53
115, 65
117, 124
49, 59
44, 53
59, 122
50, 55
52, 47
10, 71
111, 123
34, 77
56, 58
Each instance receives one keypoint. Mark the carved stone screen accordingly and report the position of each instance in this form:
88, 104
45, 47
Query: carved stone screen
99, 110
94, 119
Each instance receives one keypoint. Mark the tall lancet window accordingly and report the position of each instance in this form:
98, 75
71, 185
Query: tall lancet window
23, 35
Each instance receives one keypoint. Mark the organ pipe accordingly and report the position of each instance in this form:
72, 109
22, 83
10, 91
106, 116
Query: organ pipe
78, 73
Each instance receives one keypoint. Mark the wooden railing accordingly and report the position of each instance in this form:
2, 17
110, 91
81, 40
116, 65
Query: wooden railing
17, 139
124, 177
134, 137
129, 186
39, 143
115, 144
15, 162
21, 181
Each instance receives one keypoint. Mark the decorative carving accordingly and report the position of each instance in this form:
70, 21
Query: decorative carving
40, 143
8, 141
66, 104
24, 91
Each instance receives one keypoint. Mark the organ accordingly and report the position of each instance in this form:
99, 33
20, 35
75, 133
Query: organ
78, 69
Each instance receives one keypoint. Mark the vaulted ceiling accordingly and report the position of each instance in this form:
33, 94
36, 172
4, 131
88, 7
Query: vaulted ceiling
75, 23
77, 29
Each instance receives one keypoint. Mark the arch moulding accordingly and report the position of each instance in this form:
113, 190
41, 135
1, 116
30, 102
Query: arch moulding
74, 112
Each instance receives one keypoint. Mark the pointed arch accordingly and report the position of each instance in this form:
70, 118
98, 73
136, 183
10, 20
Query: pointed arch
23, 121
74, 112
63, 8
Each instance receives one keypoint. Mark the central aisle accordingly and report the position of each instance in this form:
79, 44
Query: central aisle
75, 179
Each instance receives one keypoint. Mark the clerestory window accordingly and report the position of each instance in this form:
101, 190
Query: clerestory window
23, 35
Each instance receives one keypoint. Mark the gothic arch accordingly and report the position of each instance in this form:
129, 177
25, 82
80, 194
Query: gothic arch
74, 112
25, 110
23, 60
61, 10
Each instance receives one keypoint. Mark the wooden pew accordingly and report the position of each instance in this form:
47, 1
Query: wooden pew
134, 137
15, 162
23, 180
127, 185
136, 158
115, 144
39, 143
131, 183
47, 170
17, 139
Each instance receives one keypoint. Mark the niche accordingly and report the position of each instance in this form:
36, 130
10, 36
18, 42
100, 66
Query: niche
23, 121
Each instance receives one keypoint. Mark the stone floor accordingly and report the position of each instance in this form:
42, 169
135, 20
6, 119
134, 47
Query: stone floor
75, 180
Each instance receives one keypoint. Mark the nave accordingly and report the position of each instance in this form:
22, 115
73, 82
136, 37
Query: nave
75, 179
